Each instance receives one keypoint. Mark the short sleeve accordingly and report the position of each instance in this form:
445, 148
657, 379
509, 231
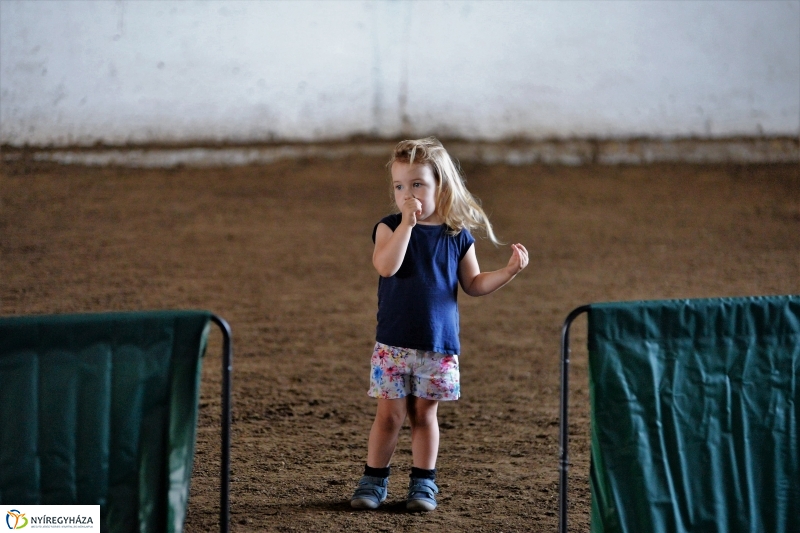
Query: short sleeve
390, 220
465, 240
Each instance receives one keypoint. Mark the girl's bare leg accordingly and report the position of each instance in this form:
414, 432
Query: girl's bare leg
385, 431
424, 431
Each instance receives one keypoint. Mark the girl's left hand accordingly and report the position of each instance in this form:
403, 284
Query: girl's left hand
519, 259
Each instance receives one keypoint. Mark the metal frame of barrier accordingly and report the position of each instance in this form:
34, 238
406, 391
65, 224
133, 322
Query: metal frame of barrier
564, 418
226, 419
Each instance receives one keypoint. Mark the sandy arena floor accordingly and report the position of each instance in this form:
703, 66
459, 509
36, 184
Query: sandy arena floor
282, 251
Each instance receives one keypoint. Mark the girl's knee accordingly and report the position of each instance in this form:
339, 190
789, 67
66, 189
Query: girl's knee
389, 420
422, 412
390, 415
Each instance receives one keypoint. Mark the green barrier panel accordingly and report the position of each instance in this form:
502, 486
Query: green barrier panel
101, 409
695, 408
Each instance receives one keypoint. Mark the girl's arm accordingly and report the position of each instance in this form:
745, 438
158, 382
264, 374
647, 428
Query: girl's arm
391, 246
477, 283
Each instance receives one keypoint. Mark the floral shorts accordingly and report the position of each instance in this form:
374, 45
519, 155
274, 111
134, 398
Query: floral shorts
398, 372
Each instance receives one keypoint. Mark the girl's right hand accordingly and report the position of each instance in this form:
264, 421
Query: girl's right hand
410, 210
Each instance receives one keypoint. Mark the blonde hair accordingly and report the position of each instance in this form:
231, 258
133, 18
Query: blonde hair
454, 203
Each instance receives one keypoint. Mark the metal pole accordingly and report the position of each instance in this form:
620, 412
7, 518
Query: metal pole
564, 425
225, 466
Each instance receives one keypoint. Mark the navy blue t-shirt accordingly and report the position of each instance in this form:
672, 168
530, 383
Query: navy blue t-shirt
417, 307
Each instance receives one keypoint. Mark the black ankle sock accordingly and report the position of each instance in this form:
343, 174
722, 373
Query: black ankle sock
421, 473
376, 472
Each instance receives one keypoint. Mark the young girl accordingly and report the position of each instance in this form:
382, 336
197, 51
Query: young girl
422, 254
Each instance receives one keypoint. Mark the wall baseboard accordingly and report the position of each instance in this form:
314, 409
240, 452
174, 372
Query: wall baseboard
549, 152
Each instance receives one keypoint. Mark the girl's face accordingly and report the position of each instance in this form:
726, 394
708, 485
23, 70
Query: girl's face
417, 181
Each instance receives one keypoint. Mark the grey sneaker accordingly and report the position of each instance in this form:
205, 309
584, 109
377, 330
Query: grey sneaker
370, 493
421, 495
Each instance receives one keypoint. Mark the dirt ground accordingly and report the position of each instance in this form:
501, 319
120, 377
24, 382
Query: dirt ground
282, 251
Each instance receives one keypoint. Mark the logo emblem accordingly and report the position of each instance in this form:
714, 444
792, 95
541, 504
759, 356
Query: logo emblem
16, 519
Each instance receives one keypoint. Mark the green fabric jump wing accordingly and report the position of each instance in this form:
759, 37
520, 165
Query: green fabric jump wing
101, 409
695, 411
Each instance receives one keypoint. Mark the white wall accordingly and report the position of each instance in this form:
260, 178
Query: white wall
81, 72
